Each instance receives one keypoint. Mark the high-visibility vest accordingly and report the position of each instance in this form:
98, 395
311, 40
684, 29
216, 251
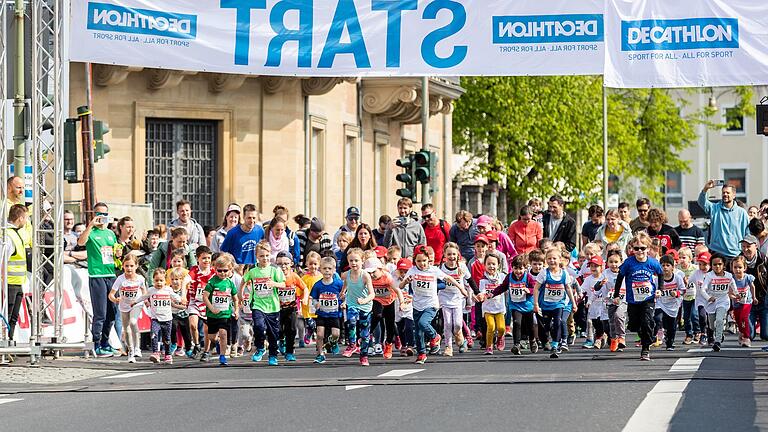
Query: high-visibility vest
17, 263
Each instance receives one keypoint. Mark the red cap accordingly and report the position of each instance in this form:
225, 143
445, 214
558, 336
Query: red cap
597, 260
704, 257
492, 236
381, 251
673, 253
481, 238
404, 264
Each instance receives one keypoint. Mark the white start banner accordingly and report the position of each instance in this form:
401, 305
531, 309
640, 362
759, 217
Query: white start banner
343, 37
692, 43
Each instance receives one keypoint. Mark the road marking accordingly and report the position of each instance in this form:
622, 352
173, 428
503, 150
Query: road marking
399, 373
706, 350
687, 364
657, 409
5, 401
355, 387
127, 375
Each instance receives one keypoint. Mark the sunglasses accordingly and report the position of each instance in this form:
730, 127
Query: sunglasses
222, 270
642, 211
639, 248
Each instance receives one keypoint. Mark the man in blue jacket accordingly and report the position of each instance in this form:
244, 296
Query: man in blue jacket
728, 222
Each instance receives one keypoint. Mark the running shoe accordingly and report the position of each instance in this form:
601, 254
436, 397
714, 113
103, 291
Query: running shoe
448, 352
205, 357
307, 340
555, 354
470, 342
398, 343
258, 355
622, 344
588, 344
547, 346
508, 331
463, 347
378, 349
421, 358
350, 350
371, 351
168, 359
272, 361
645, 356
671, 348
137, 352
697, 338
320, 359
563, 347
364, 361
489, 351
240, 351
534, 347
747, 343
688, 340
290, 357
409, 351
598, 344
131, 359
173, 348
388, 351
179, 352
516, 349
501, 344
435, 341
190, 354
571, 339
155, 357
716, 347
222, 360
281, 346
335, 350
100, 352
614, 344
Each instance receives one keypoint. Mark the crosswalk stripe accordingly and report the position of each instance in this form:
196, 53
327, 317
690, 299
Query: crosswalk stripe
687, 364
399, 373
355, 387
5, 401
127, 375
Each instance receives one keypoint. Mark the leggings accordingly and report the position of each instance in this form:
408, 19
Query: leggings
182, 324
405, 330
551, 319
15, 297
359, 327
640, 320
161, 332
741, 315
288, 328
131, 329
494, 323
452, 324
523, 320
384, 314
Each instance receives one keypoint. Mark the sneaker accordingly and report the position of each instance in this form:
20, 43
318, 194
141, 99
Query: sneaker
421, 359
598, 344
402, 352
622, 344
320, 359
670, 348
137, 352
716, 347
378, 349
173, 348
501, 344
350, 350
272, 361
747, 343
398, 343
364, 361
614, 344
131, 359
301, 343
534, 347
258, 355
547, 346
588, 344
307, 341
371, 351
508, 331
281, 347
571, 340
562, 347
435, 341
335, 350
387, 351
489, 351
697, 338
101, 352
190, 354
516, 349
765, 348
205, 357
645, 356
155, 357
409, 351
688, 340
290, 357
463, 347
223, 360
168, 359
470, 342
555, 354
240, 351
448, 351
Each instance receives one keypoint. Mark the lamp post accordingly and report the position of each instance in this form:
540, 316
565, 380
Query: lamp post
712, 105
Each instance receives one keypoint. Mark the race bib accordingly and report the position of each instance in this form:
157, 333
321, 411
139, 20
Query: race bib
161, 304
719, 287
622, 292
517, 293
422, 285
246, 295
328, 302
668, 295
107, 255
221, 300
641, 290
286, 295
381, 291
260, 288
742, 294
199, 292
129, 292
554, 293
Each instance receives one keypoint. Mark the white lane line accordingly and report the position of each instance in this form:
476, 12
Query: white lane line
657, 409
399, 373
5, 401
687, 364
127, 375
706, 350
355, 387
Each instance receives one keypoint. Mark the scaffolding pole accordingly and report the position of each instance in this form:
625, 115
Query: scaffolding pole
4, 176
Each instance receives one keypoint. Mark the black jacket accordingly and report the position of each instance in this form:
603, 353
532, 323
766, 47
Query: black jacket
566, 232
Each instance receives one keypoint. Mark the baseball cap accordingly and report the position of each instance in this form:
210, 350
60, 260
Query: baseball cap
704, 257
353, 212
317, 225
492, 236
749, 238
481, 238
404, 264
597, 260
381, 251
484, 220
372, 264
233, 208
674, 254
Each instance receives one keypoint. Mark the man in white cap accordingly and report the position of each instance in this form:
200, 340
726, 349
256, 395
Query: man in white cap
353, 221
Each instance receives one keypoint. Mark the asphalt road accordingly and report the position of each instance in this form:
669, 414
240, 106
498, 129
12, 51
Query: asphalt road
585, 390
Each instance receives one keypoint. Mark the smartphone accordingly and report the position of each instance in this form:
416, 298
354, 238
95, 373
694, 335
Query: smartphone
719, 183
102, 218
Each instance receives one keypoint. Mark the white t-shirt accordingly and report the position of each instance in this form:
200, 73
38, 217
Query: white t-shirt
695, 288
671, 296
128, 290
610, 276
424, 287
596, 298
451, 296
496, 304
160, 302
718, 287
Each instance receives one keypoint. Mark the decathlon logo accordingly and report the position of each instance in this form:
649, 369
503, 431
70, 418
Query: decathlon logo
679, 34
114, 18
547, 29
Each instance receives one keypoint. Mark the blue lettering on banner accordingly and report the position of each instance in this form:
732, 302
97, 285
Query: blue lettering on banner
302, 35
345, 16
394, 10
243, 25
429, 46
121, 19
679, 34
548, 29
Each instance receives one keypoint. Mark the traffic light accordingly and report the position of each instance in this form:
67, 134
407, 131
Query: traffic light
407, 178
426, 168
100, 128
70, 150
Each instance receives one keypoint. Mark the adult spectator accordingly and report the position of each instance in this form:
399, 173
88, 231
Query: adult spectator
194, 230
756, 227
241, 240
13, 247
643, 205
535, 205
486, 225
436, 230
525, 233
757, 267
690, 235
624, 212
404, 231
353, 220
302, 221
231, 220
558, 226
70, 238
596, 220
279, 241
99, 243
614, 230
363, 239
728, 222
281, 212
753, 212
314, 239
658, 228
161, 257
463, 233
126, 242
379, 232
15, 195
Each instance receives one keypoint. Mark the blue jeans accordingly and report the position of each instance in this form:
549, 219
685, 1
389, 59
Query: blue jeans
359, 327
690, 318
759, 312
423, 322
266, 324
103, 310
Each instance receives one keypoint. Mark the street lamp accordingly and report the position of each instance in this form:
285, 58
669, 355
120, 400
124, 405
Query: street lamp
713, 106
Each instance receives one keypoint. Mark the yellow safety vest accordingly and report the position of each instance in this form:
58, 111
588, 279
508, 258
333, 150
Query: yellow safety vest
17, 263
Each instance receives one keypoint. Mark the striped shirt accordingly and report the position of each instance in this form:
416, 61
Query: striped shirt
690, 237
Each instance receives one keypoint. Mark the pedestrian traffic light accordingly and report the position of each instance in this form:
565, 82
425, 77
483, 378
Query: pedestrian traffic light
70, 150
422, 162
100, 128
407, 178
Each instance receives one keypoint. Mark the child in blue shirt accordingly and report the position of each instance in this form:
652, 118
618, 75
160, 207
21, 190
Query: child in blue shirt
326, 294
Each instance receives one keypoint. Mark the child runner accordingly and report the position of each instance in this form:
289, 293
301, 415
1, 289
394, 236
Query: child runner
384, 303
696, 284
310, 278
179, 281
617, 313
342, 242
221, 302
200, 274
477, 269
404, 309
452, 301
690, 315
719, 288
494, 308
668, 304
245, 320
325, 296
358, 294
595, 286
641, 275
423, 280
265, 281
161, 298
552, 288
288, 298
745, 285
394, 253
129, 286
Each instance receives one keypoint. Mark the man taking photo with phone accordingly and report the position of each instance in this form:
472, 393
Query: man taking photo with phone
728, 222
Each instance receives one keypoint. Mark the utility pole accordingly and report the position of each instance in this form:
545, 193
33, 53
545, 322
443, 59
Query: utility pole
425, 192
19, 137
84, 113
